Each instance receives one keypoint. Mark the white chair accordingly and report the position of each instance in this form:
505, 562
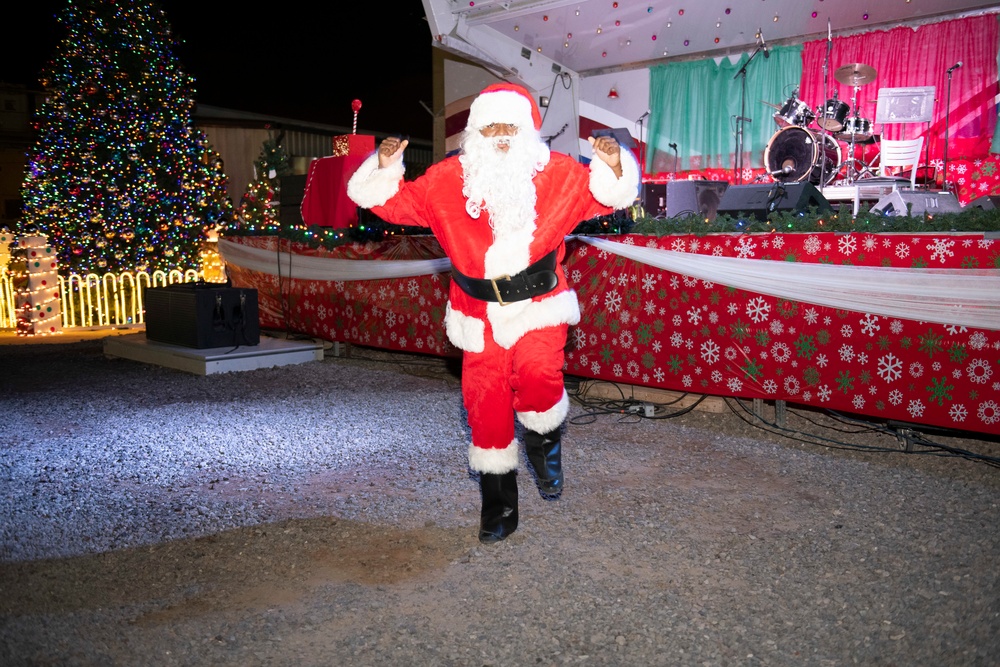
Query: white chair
893, 153
901, 153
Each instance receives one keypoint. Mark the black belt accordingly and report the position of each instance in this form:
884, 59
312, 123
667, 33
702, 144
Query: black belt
538, 279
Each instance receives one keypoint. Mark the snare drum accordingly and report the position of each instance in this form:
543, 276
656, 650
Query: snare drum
795, 112
858, 129
831, 116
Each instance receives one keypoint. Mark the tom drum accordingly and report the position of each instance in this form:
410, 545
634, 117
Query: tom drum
859, 129
831, 116
793, 154
795, 112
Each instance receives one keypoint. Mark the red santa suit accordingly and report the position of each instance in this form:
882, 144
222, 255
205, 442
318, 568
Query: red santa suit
513, 353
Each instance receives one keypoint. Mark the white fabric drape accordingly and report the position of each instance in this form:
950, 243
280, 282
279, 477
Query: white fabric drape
306, 267
960, 297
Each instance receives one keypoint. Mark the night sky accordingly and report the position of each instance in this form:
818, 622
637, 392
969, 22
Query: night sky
279, 59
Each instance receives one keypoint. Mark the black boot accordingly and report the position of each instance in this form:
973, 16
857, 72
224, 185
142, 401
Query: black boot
545, 456
499, 515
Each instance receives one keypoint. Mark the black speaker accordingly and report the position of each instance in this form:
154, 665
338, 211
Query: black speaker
699, 198
987, 203
202, 315
292, 189
917, 203
654, 198
760, 200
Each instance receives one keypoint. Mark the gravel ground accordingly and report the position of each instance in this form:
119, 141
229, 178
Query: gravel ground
323, 514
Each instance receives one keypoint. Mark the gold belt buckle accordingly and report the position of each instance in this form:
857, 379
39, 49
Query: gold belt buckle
493, 281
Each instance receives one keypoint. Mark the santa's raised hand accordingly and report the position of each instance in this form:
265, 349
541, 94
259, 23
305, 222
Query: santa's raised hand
607, 150
391, 150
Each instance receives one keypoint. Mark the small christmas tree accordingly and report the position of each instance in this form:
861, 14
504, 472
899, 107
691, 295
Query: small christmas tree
259, 209
118, 179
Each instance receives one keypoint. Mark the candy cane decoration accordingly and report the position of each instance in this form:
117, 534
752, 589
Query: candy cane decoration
356, 106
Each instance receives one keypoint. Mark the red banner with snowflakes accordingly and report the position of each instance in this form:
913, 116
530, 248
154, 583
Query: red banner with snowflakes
655, 327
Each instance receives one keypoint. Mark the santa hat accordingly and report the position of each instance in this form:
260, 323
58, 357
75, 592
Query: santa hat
504, 103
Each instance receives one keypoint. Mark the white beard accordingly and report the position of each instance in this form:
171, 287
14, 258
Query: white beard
501, 182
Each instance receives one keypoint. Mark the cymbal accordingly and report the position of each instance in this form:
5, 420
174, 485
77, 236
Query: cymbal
855, 74
773, 106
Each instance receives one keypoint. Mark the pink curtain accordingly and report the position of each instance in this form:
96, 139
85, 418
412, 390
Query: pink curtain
905, 58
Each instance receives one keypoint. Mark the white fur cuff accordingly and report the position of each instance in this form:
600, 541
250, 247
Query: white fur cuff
618, 193
495, 461
550, 420
466, 333
370, 186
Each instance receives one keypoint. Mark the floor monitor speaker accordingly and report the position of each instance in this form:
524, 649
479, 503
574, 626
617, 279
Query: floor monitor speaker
202, 315
654, 198
760, 200
917, 203
698, 198
986, 202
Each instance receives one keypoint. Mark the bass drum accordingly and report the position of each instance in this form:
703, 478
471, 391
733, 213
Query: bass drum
793, 155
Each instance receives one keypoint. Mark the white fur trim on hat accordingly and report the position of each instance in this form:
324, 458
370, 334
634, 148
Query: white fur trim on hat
500, 106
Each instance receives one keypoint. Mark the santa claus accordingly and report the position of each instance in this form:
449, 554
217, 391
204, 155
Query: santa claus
501, 210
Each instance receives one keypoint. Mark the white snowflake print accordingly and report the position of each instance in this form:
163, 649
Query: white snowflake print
979, 371
657, 346
595, 368
812, 245
633, 368
896, 327
778, 242
769, 386
895, 397
675, 282
713, 317
821, 360
915, 408
731, 353
677, 321
390, 319
758, 309
676, 339
575, 275
935, 366
977, 341
716, 376
707, 284
869, 324
686, 380
710, 352
847, 331
862, 358
941, 249
792, 386
625, 339
958, 413
658, 374
858, 401
955, 329
612, 301
890, 367
847, 244
872, 390
732, 308
824, 392
617, 370
745, 248
989, 412
776, 327
916, 369
735, 385
869, 243
583, 361
649, 308
781, 352
902, 250
678, 245
689, 281
694, 246
694, 316
846, 352
625, 317
594, 340
413, 287
807, 396
810, 315
321, 312
648, 282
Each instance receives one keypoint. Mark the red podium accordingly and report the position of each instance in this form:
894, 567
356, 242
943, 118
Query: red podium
325, 202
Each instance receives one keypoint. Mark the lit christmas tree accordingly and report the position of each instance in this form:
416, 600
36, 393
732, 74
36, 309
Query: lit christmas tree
259, 209
118, 179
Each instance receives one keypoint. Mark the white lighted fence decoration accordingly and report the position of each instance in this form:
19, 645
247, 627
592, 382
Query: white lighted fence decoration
36, 300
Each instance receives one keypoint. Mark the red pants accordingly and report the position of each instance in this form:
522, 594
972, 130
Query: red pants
497, 383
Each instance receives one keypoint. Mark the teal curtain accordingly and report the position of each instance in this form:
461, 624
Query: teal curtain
695, 106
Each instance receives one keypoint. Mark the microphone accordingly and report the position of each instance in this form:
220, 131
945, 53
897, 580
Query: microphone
829, 31
787, 169
763, 44
641, 117
954, 67
674, 146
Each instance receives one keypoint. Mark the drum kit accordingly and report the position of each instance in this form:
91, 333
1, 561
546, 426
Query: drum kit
800, 152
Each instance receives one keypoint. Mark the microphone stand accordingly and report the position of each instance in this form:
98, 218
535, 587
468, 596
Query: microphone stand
676, 156
742, 117
826, 96
947, 110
